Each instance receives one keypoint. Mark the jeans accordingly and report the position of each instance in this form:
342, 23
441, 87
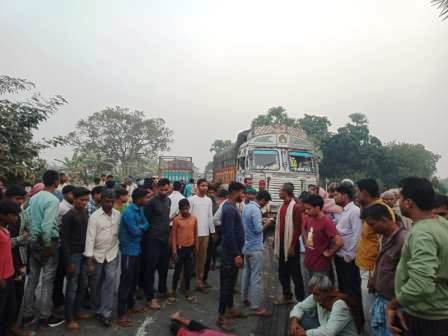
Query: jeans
251, 281
201, 257
58, 288
75, 287
211, 257
8, 306
367, 301
420, 327
228, 278
287, 270
349, 278
105, 275
184, 262
47, 268
156, 257
305, 274
128, 282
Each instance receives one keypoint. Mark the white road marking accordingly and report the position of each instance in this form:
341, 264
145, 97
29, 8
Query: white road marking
142, 329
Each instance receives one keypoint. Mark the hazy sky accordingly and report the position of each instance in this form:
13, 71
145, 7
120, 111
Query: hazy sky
209, 67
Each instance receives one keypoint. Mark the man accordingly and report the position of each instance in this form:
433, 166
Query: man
287, 233
313, 189
43, 261
420, 281
9, 215
188, 192
175, 197
201, 208
210, 262
261, 185
121, 200
349, 227
73, 238
382, 282
19, 232
101, 251
389, 198
103, 179
440, 206
63, 181
58, 290
95, 201
248, 182
251, 283
321, 238
368, 246
156, 251
232, 232
132, 227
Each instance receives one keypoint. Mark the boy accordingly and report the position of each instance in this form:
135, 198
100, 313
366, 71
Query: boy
121, 200
322, 240
183, 244
95, 200
133, 225
9, 214
73, 234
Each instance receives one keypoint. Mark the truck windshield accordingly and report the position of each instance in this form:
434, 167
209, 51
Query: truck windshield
265, 159
301, 162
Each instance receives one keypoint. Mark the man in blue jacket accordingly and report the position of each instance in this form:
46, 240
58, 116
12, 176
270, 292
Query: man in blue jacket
133, 225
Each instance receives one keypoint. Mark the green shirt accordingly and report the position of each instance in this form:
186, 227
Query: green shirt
421, 279
43, 210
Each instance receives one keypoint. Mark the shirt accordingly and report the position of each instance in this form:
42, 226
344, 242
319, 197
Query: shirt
387, 262
297, 217
157, 212
184, 231
64, 207
318, 235
43, 210
6, 261
202, 209
217, 217
421, 279
92, 207
337, 322
133, 226
253, 228
73, 233
188, 192
175, 197
349, 227
102, 236
232, 230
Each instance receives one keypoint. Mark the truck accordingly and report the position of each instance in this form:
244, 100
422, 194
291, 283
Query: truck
176, 168
270, 154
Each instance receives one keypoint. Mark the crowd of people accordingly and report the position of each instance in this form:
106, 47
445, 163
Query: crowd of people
351, 260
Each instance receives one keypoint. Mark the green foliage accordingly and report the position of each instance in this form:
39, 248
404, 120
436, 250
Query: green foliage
120, 141
275, 116
220, 145
316, 128
443, 6
19, 153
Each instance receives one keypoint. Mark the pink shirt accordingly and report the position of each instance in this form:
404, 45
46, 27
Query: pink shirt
6, 262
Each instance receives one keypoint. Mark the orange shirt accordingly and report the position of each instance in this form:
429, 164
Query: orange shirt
369, 245
184, 231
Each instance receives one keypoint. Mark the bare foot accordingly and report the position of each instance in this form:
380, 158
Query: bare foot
176, 316
153, 304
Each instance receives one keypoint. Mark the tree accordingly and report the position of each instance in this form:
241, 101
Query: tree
315, 127
275, 116
443, 6
19, 153
123, 137
220, 145
401, 160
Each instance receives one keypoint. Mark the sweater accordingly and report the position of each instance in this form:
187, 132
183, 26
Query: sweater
421, 279
232, 230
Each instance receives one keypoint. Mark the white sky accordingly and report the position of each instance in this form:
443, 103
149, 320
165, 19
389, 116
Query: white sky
209, 67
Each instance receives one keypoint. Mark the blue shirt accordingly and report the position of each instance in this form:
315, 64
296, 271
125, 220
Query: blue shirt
133, 225
188, 192
253, 228
232, 231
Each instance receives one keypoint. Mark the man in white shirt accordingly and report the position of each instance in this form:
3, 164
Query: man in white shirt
175, 197
201, 207
349, 227
101, 252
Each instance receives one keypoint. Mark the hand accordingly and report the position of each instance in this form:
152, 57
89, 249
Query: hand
2, 283
214, 237
327, 253
90, 266
239, 262
295, 328
25, 235
291, 252
71, 269
393, 315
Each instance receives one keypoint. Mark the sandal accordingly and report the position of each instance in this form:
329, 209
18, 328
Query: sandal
171, 298
153, 304
262, 312
192, 299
